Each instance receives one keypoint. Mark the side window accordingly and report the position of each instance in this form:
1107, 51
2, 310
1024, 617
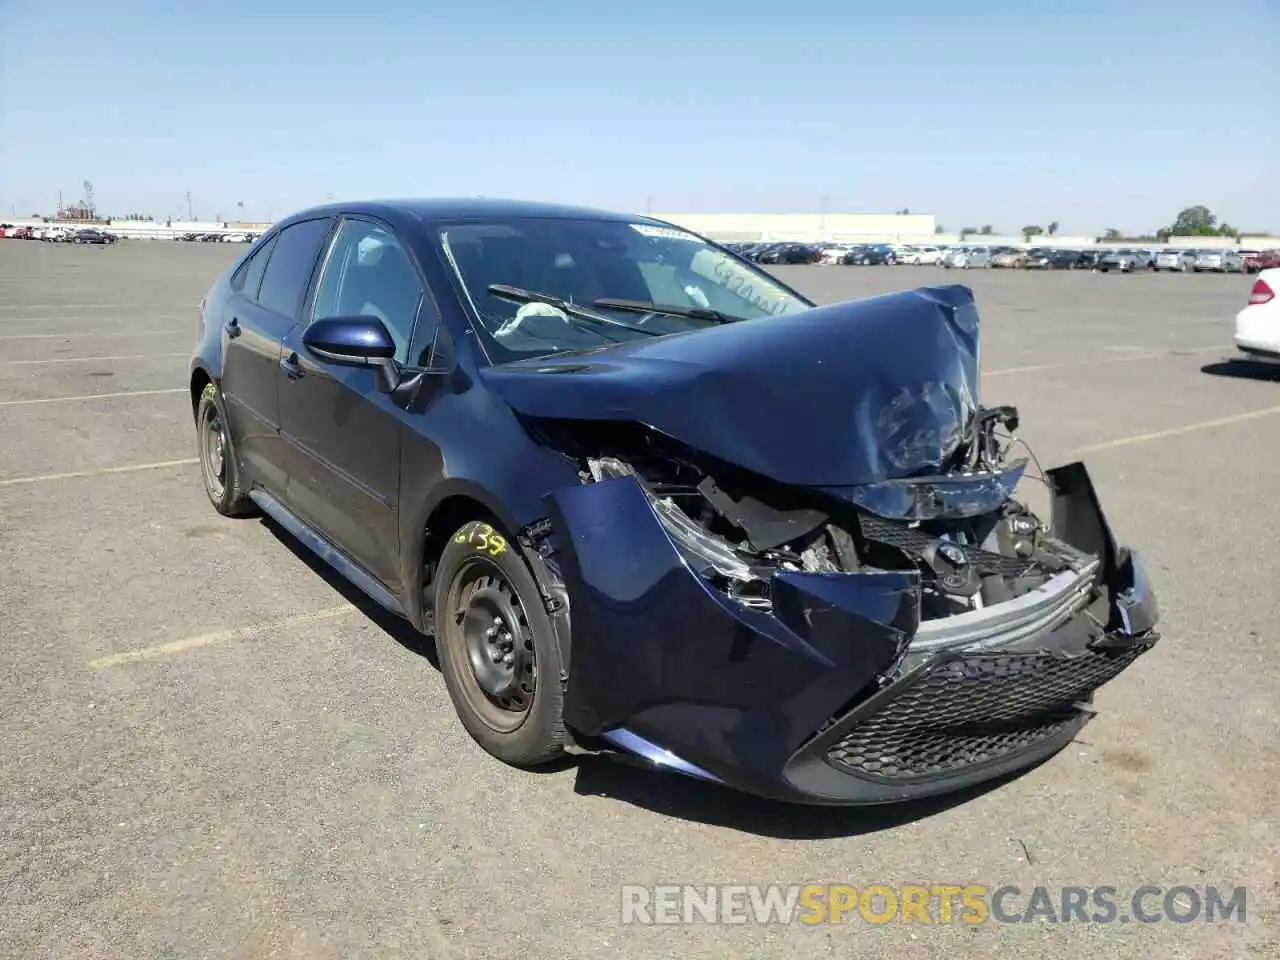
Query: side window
369, 274
249, 277
289, 269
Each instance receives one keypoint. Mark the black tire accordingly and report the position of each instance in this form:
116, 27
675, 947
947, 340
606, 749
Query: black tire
222, 480
482, 579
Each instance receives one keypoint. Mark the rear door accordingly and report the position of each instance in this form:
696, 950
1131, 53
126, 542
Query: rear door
273, 284
248, 369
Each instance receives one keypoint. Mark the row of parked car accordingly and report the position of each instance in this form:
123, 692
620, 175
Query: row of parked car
67, 234
980, 256
57, 234
216, 237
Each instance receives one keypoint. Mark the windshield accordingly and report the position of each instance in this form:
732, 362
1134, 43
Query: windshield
583, 261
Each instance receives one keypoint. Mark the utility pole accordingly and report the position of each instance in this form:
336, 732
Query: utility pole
190, 216
648, 204
59, 203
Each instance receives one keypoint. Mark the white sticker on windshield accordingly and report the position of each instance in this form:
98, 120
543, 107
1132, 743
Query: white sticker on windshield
737, 279
663, 233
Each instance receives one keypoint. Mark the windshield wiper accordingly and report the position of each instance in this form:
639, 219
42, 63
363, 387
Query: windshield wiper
520, 295
665, 309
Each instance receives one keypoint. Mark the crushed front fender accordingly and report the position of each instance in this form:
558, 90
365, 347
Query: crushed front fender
834, 692
661, 654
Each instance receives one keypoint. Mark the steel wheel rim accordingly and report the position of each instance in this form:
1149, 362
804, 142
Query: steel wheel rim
490, 628
214, 450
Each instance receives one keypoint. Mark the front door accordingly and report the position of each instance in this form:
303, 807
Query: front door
344, 432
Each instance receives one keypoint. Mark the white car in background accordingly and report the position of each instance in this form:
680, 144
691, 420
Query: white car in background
835, 252
1258, 324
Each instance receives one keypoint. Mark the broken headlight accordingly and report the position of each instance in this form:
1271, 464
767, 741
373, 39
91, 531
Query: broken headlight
705, 553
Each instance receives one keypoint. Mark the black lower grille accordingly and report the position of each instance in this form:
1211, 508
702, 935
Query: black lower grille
914, 542
973, 709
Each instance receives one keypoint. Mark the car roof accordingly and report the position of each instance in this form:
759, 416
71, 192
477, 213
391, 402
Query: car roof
464, 208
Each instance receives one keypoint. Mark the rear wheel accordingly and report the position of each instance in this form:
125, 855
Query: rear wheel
217, 457
497, 648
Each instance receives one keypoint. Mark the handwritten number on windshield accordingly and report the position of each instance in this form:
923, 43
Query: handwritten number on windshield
740, 285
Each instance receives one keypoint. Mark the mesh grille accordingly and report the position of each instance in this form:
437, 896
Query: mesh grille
974, 709
914, 542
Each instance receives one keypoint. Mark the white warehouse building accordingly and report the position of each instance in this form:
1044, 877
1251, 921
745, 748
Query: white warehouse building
856, 227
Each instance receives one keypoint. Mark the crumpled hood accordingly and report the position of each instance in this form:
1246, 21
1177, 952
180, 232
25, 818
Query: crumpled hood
841, 395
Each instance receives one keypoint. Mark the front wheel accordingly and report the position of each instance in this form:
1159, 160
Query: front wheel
498, 651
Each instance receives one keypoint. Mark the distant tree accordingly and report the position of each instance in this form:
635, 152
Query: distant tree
966, 231
939, 229
1053, 228
1029, 232
987, 230
1112, 235
1195, 221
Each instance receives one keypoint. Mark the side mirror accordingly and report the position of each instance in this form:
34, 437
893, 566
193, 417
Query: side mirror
355, 342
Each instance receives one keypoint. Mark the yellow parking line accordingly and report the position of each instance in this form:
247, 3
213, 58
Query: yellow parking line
1128, 358
63, 319
90, 333
92, 396
122, 305
101, 472
220, 636
111, 319
1177, 431
123, 356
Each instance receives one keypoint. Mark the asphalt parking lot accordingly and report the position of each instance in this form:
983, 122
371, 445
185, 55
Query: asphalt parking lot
207, 750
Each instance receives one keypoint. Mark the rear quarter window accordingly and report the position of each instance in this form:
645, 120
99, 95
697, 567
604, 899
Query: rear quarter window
248, 278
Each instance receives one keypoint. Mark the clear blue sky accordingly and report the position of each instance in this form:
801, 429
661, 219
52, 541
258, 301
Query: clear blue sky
1094, 113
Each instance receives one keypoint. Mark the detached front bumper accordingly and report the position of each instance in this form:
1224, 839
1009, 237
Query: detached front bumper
838, 694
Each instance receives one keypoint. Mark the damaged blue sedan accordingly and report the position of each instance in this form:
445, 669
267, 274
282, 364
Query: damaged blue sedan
652, 502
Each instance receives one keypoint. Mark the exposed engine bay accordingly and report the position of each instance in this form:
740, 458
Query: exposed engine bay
737, 529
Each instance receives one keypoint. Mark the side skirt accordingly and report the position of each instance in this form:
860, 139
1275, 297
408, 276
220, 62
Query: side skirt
350, 570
